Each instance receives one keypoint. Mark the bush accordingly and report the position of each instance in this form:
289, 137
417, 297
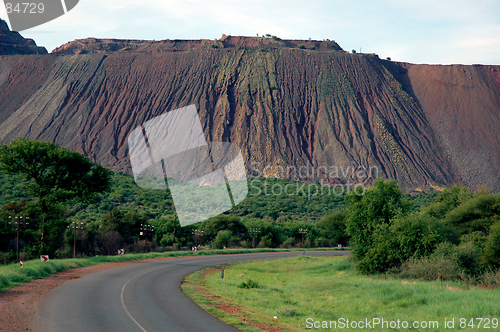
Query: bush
249, 284
142, 246
491, 278
246, 244
448, 200
448, 262
109, 242
167, 240
266, 241
378, 259
416, 235
288, 243
492, 246
429, 268
321, 242
467, 258
7, 257
333, 227
222, 239
301, 46
477, 214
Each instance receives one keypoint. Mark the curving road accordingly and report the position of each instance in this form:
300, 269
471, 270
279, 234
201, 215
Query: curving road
139, 297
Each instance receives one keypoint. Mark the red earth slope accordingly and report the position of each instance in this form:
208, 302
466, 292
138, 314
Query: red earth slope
284, 106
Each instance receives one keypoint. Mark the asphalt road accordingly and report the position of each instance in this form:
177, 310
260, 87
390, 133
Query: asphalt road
139, 297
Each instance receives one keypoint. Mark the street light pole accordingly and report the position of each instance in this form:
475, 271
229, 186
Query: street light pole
75, 227
145, 229
302, 231
74, 239
17, 241
254, 232
197, 233
175, 216
18, 221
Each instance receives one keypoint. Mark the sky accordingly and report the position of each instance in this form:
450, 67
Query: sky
416, 31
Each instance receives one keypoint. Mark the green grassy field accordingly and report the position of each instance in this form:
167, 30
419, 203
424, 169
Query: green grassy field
12, 275
303, 290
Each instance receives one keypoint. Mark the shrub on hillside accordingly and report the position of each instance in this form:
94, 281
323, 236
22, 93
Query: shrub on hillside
429, 268
378, 259
449, 199
379, 205
222, 239
477, 214
408, 237
333, 227
491, 278
266, 241
492, 246
448, 262
288, 243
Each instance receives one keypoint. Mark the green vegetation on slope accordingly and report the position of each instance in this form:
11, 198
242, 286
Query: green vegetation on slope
115, 220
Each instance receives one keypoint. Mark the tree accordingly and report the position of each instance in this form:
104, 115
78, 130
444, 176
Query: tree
380, 203
54, 175
476, 214
222, 239
333, 227
411, 236
492, 246
216, 224
449, 199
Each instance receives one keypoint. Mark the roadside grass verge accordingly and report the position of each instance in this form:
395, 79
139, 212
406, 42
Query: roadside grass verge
328, 289
12, 275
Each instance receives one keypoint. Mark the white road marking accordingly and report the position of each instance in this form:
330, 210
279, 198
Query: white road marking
123, 303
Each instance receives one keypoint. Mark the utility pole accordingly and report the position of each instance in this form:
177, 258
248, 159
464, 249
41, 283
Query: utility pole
197, 233
175, 224
18, 221
145, 230
75, 227
302, 231
254, 232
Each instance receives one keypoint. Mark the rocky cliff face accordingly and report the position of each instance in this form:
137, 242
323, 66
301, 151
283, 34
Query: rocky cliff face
284, 106
12, 42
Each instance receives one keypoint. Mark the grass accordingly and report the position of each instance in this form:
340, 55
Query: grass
12, 275
328, 289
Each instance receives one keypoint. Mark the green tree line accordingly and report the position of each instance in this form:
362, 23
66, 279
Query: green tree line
457, 237
91, 211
